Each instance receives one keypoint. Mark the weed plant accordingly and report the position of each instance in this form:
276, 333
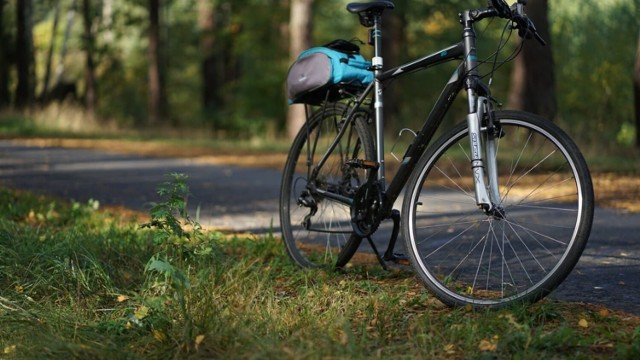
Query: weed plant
80, 282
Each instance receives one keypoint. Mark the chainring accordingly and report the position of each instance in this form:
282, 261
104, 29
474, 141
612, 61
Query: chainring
365, 211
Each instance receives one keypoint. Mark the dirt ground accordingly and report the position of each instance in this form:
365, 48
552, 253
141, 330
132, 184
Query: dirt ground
611, 190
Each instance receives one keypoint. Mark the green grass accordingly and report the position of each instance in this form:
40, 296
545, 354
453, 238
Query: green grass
44, 125
603, 157
73, 285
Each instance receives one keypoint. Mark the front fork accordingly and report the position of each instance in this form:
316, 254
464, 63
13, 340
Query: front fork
483, 133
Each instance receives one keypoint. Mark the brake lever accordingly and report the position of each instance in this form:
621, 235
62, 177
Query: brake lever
531, 27
539, 38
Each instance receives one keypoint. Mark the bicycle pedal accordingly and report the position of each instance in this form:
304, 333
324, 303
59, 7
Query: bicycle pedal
364, 164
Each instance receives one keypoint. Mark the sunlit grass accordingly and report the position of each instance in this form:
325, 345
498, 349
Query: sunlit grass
74, 287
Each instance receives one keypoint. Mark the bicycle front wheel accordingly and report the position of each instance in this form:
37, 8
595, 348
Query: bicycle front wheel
317, 230
468, 257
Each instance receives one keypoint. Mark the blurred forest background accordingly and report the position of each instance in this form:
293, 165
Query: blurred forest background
218, 66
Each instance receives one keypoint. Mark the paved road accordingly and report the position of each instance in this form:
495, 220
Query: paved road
246, 199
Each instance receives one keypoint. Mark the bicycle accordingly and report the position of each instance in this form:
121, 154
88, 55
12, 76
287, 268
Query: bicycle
496, 211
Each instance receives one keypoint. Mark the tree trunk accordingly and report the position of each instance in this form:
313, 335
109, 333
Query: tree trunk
533, 80
47, 69
107, 21
157, 98
5, 97
636, 88
210, 58
71, 15
90, 92
300, 29
24, 55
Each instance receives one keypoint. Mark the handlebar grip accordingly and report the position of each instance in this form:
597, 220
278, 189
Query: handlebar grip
515, 13
501, 7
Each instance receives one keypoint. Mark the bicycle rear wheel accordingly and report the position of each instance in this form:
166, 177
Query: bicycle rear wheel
317, 231
467, 257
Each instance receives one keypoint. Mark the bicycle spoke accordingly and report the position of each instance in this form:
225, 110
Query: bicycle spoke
467, 256
317, 230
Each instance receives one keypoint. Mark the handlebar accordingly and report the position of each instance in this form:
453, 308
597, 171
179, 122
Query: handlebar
515, 13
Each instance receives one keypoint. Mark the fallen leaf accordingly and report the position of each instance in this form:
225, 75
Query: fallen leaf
469, 290
603, 312
486, 345
141, 312
122, 298
199, 340
9, 349
449, 349
583, 323
159, 335
344, 338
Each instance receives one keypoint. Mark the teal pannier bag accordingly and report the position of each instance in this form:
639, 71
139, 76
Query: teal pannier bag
320, 72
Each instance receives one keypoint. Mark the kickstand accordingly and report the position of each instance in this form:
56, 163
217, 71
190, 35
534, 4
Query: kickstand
389, 255
375, 250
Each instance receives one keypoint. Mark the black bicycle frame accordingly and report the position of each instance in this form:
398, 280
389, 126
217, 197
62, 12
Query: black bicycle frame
433, 121
424, 136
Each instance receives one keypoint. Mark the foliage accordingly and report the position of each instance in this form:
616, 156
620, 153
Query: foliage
74, 286
595, 45
593, 42
167, 272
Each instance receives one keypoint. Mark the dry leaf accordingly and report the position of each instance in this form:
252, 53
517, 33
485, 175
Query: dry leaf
122, 298
450, 349
199, 340
9, 349
604, 312
486, 345
344, 338
159, 335
141, 312
583, 323
19, 289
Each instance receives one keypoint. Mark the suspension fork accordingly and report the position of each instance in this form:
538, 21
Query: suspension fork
493, 133
487, 198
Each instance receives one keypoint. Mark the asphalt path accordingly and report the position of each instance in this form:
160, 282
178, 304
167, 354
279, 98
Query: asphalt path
246, 200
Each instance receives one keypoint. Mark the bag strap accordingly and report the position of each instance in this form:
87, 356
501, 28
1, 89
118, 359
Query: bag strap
343, 46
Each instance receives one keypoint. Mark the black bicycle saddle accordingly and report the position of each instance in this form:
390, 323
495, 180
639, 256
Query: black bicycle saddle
373, 6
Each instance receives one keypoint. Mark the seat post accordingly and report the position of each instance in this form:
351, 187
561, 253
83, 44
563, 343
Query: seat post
377, 63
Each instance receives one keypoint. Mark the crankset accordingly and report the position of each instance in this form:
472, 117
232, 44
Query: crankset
365, 211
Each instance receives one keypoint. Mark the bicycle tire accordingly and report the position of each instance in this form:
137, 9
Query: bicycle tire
466, 257
323, 237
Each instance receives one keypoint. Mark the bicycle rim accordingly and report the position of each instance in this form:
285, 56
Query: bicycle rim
467, 257
317, 231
